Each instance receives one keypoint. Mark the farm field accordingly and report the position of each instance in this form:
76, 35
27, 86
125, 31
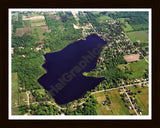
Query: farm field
22, 31
14, 89
117, 106
33, 17
142, 36
132, 57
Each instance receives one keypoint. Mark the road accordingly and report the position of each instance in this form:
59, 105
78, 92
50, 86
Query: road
130, 102
110, 90
84, 100
27, 93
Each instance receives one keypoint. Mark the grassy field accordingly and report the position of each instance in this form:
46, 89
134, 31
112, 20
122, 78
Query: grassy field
138, 35
38, 24
127, 26
35, 23
15, 111
142, 98
22, 31
39, 31
23, 98
96, 12
136, 69
14, 89
103, 18
117, 105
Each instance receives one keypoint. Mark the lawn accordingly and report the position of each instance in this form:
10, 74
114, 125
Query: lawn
142, 36
117, 106
14, 89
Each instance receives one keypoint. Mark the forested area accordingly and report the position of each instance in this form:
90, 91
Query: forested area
138, 20
26, 61
89, 108
40, 109
62, 32
113, 75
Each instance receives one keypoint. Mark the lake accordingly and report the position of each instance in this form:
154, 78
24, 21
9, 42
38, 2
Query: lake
64, 79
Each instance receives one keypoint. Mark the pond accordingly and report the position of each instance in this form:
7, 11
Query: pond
64, 79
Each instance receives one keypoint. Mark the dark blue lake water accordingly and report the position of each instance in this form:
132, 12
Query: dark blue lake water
64, 79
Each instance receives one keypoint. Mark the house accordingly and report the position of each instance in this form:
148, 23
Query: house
140, 113
21, 47
62, 114
76, 27
12, 50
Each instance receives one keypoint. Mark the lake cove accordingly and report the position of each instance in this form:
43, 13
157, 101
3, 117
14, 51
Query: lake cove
64, 79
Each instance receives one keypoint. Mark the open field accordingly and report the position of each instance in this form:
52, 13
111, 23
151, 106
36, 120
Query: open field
36, 24
135, 69
127, 27
14, 89
23, 98
15, 111
100, 97
142, 98
117, 106
45, 28
33, 17
22, 31
130, 58
54, 17
103, 110
103, 18
96, 12
39, 31
142, 36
